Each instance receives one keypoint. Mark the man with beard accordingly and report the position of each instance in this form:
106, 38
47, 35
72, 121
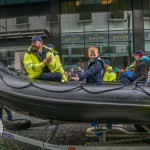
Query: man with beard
40, 62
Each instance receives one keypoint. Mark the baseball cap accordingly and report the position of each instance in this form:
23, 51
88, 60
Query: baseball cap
138, 52
51, 45
37, 38
120, 67
106, 62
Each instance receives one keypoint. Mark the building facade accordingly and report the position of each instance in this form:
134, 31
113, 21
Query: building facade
116, 27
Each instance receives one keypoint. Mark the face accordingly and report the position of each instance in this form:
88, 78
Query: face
120, 70
79, 68
72, 70
36, 44
105, 66
136, 57
93, 56
93, 53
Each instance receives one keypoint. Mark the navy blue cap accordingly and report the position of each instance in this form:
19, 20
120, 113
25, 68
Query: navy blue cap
120, 67
51, 45
138, 52
106, 62
37, 38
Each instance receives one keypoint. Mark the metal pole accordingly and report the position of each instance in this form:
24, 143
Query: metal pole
129, 36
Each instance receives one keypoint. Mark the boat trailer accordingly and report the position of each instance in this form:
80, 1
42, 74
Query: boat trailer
116, 138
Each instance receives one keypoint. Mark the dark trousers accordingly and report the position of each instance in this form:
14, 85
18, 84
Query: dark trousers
9, 114
125, 79
56, 76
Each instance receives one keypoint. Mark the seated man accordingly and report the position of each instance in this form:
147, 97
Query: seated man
109, 73
40, 62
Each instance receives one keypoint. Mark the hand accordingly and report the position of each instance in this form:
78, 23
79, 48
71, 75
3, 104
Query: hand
47, 60
75, 78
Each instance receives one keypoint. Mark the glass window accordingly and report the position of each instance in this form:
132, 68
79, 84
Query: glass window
25, 15
35, 1
22, 20
104, 23
2, 2
15, 1
23, 1
120, 15
146, 14
18, 17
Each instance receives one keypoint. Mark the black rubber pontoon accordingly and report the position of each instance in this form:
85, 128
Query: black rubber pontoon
81, 102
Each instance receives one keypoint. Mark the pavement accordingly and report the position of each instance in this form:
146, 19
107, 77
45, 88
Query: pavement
70, 133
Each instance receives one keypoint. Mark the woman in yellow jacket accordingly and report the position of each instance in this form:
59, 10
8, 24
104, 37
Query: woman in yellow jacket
41, 63
109, 73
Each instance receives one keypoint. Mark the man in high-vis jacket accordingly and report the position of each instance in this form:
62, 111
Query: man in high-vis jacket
42, 63
109, 73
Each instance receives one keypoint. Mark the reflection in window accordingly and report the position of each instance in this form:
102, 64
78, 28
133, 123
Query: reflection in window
52, 18
146, 8
107, 19
146, 14
2, 2
47, 18
34, 1
112, 49
15, 1
85, 17
117, 15
22, 20
23, 1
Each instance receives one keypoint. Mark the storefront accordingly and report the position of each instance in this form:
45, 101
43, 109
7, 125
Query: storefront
116, 27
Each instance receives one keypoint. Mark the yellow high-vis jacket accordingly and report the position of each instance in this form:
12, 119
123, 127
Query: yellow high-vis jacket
34, 65
109, 74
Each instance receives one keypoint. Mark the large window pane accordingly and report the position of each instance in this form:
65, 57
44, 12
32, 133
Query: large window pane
104, 23
120, 15
146, 17
24, 15
19, 20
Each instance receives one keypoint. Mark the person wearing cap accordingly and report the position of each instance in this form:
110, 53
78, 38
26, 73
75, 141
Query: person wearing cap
95, 68
40, 62
109, 74
51, 47
142, 66
125, 76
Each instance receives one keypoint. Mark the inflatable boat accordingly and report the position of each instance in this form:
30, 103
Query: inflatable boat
75, 101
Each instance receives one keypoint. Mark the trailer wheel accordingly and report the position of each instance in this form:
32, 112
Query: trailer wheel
140, 127
17, 124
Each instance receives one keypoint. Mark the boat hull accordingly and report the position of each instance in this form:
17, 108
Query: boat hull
78, 102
